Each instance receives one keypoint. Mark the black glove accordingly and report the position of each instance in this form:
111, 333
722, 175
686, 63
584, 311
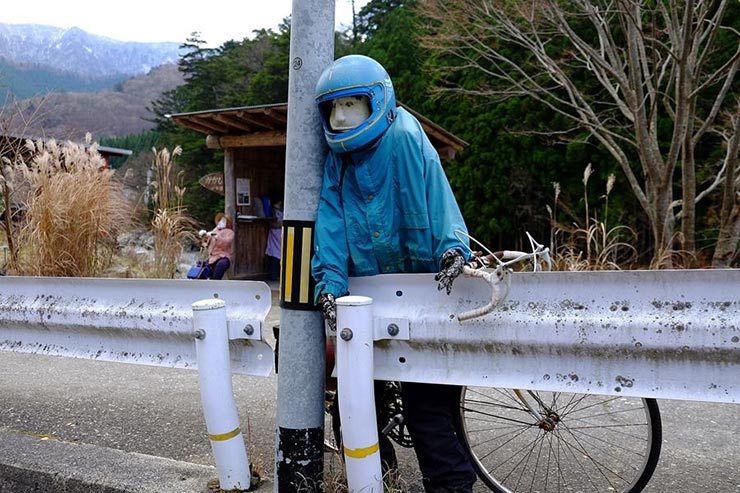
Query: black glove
452, 266
328, 305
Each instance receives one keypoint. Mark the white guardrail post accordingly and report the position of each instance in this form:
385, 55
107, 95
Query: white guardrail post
357, 402
217, 395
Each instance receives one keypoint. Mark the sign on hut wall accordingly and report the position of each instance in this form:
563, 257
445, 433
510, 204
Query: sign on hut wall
213, 182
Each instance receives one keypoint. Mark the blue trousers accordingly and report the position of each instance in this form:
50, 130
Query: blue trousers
219, 268
430, 412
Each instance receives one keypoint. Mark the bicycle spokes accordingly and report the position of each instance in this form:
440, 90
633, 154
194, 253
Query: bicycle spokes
548, 442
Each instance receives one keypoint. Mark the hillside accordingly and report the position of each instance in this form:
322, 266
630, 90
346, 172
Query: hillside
23, 80
112, 113
38, 60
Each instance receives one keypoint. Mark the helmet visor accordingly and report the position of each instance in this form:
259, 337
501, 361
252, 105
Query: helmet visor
348, 112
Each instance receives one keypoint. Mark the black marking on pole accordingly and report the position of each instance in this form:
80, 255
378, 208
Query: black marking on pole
300, 464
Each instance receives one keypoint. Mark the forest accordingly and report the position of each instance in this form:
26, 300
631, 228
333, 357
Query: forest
606, 129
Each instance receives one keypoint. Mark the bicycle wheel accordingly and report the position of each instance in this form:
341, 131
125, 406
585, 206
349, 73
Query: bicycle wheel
570, 443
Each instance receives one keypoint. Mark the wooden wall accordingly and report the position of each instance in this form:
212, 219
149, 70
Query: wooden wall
265, 169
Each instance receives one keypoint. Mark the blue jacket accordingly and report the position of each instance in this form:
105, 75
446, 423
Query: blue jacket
395, 211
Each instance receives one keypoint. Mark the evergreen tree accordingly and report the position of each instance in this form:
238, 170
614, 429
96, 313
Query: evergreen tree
238, 73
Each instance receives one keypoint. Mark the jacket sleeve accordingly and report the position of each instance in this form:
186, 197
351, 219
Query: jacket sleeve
329, 265
447, 225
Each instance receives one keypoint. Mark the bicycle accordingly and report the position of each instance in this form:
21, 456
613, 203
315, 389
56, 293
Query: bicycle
390, 413
527, 441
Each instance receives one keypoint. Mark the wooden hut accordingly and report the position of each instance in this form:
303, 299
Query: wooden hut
253, 140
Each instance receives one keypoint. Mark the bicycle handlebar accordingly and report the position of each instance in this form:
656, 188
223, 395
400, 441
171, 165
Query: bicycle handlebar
494, 277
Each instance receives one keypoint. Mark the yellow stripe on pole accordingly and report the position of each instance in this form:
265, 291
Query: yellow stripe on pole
288, 291
361, 453
297, 286
305, 266
225, 436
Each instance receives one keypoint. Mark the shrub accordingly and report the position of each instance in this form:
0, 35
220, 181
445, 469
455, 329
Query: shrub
73, 211
171, 226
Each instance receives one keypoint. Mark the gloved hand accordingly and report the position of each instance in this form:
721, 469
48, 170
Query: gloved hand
452, 266
328, 305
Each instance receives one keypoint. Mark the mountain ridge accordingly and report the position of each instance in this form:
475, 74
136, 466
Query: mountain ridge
111, 113
77, 51
63, 83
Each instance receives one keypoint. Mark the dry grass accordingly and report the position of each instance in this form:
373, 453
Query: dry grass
335, 478
13, 124
73, 210
675, 259
593, 246
72, 214
171, 225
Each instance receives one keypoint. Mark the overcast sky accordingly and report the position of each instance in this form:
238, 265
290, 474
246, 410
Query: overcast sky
162, 20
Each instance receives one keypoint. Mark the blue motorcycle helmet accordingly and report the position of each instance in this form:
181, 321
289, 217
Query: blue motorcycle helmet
367, 82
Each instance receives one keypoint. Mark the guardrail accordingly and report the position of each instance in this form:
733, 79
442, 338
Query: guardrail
660, 334
141, 321
213, 326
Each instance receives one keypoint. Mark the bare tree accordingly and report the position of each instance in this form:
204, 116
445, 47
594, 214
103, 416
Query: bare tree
650, 62
729, 220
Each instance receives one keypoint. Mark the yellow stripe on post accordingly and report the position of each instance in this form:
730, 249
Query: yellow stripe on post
361, 453
222, 437
290, 244
305, 265
297, 286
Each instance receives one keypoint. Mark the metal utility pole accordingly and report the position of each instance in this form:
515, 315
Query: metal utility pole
299, 454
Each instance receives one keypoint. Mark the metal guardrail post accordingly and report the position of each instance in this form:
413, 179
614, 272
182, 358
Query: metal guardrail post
217, 395
357, 401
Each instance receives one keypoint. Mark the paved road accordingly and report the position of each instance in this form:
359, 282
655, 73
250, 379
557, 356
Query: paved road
157, 411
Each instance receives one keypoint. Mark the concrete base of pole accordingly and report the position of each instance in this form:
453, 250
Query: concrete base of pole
300, 411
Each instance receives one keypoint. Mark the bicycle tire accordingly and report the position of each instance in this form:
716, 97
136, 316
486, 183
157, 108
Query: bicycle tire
595, 444
332, 429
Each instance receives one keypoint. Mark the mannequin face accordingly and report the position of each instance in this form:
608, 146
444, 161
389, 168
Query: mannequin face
349, 112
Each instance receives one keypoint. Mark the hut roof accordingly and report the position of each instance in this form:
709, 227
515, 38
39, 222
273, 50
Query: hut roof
266, 125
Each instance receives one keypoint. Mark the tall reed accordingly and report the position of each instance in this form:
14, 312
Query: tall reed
72, 213
592, 246
171, 226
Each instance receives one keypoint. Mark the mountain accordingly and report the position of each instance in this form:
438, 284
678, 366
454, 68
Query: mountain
76, 51
21, 81
37, 59
113, 113
67, 82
